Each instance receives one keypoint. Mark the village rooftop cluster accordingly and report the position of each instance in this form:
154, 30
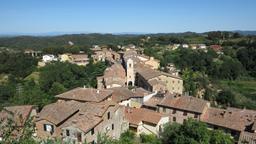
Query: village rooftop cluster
132, 94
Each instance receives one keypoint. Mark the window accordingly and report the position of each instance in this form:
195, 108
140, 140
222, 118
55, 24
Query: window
92, 131
48, 128
130, 65
67, 133
185, 113
79, 137
108, 115
174, 119
196, 116
45, 127
160, 128
112, 126
174, 112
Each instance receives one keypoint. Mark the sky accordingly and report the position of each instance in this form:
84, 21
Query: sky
131, 16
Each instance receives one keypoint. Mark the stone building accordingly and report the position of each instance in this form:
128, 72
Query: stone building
105, 54
51, 118
93, 119
154, 80
144, 121
33, 53
130, 73
80, 115
239, 123
180, 108
80, 59
114, 76
146, 76
131, 98
19, 115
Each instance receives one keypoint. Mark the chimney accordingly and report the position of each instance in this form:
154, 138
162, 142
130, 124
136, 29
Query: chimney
223, 113
81, 114
74, 121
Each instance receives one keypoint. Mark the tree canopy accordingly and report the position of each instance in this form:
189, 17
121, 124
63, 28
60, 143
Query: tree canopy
193, 132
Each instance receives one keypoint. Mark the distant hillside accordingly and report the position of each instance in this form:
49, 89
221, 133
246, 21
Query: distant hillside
87, 40
39, 42
246, 32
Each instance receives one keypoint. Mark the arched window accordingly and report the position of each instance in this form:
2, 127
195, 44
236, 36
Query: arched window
130, 83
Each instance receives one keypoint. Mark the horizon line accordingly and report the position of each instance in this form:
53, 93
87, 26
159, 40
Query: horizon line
13, 34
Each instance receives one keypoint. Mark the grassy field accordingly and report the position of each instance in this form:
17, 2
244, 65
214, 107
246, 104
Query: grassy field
244, 91
33, 76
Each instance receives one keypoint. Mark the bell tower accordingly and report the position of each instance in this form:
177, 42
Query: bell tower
130, 74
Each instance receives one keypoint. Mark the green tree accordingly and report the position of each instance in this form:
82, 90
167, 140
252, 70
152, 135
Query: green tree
23, 135
149, 139
127, 137
247, 56
217, 137
56, 88
226, 98
230, 69
31, 94
192, 132
17, 64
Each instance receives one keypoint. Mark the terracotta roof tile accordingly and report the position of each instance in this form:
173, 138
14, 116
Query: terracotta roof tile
70, 111
59, 111
137, 115
186, 103
232, 119
148, 73
157, 99
85, 95
140, 92
79, 57
115, 75
83, 121
19, 114
89, 115
121, 93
